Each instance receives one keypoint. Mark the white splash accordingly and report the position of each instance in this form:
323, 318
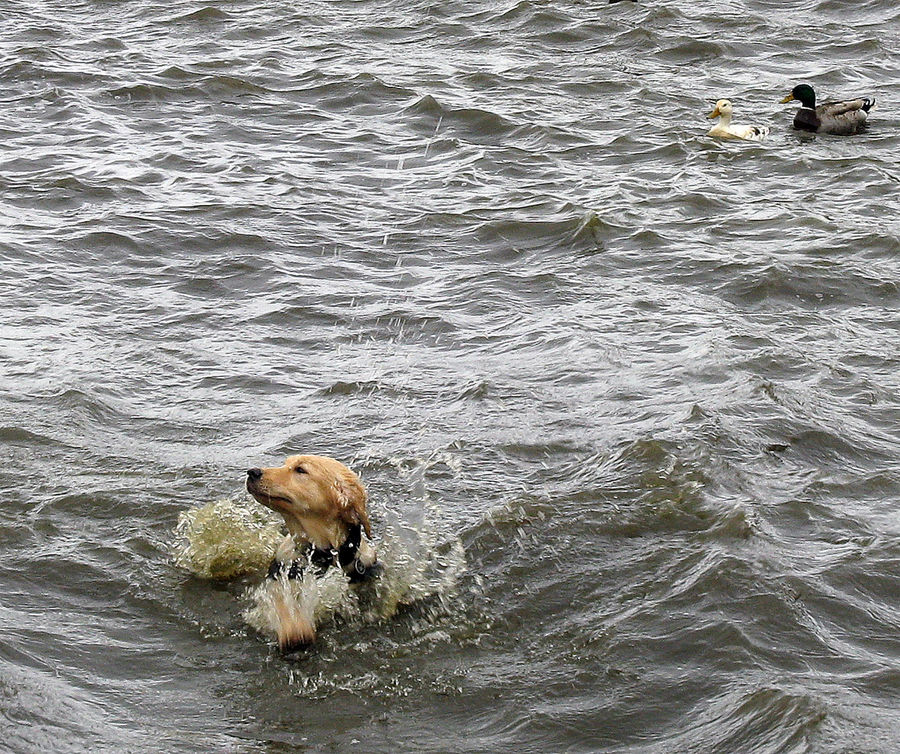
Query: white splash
227, 539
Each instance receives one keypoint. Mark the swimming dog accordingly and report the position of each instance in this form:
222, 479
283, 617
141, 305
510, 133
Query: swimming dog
323, 504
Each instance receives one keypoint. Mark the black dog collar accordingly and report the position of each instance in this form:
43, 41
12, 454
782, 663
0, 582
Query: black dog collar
321, 559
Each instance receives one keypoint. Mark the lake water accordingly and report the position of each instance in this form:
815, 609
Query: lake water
626, 398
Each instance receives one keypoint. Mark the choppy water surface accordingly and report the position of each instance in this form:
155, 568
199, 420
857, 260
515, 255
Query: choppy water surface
630, 393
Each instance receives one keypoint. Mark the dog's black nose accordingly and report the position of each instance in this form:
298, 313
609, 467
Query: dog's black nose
254, 474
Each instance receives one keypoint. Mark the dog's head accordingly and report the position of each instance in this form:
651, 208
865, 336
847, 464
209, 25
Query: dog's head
318, 497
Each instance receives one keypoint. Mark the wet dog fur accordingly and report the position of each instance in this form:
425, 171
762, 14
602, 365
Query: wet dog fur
323, 504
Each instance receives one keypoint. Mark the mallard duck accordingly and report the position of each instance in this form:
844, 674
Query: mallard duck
845, 117
725, 130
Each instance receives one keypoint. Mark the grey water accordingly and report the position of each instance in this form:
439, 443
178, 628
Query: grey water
484, 253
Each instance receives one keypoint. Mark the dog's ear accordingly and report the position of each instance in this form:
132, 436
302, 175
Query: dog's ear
351, 500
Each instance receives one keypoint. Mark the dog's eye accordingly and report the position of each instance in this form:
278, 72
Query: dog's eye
300, 470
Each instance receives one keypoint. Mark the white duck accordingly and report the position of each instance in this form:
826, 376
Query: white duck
723, 129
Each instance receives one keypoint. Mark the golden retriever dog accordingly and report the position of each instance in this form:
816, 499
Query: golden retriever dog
323, 504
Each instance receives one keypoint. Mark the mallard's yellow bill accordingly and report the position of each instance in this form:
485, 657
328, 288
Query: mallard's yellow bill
787, 99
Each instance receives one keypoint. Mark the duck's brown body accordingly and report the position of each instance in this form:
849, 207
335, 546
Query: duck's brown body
843, 118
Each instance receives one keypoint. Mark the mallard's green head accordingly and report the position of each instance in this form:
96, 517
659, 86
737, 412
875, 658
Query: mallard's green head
804, 93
